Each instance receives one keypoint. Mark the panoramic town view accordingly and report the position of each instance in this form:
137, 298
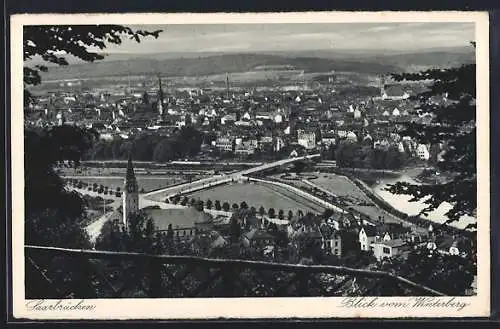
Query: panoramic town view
250, 160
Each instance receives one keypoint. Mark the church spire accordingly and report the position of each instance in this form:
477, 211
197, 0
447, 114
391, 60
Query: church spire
382, 85
130, 180
160, 99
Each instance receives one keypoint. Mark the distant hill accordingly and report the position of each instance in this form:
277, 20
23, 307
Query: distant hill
216, 63
435, 57
210, 65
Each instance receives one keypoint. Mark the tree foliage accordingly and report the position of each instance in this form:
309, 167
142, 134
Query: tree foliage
53, 214
450, 99
146, 147
448, 274
54, 43
139, 237
358, 155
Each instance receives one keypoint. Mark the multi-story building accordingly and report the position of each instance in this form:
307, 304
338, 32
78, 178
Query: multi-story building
306, 139
246, 147
423, 152
224, 144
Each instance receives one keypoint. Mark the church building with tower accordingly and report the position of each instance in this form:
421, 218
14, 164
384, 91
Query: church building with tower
394, 92
130, 195
159, 104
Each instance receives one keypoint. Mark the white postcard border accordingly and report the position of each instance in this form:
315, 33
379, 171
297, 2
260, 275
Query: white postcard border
211, 308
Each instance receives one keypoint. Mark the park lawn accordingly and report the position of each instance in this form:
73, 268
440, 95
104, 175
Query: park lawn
257, 195
340, 186
146, 183
352, 195
179, 218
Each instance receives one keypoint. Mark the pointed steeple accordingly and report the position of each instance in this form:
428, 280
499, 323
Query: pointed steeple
160, 99
130, 180
382, 86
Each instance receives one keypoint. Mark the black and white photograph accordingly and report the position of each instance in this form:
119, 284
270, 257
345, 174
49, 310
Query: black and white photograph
251, 158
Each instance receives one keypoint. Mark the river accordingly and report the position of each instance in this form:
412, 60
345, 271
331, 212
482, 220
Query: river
401, 202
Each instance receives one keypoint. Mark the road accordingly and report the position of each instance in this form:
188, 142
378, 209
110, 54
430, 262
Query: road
145, 200
382, 211
214, 180
108, 177
94, 229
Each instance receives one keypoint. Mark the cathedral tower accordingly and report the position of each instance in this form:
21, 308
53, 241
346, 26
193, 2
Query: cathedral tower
382, 86
160, 101
130, 194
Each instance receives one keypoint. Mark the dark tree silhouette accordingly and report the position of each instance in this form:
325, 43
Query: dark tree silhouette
235, 230
53, 216
176, 199
170, 236
48, 42
208, 205
217, 205
226, 206
299, 166
451, 275
271, 213
454, 126
262, 211
145, 98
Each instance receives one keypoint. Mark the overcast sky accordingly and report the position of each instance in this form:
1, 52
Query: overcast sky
286, 37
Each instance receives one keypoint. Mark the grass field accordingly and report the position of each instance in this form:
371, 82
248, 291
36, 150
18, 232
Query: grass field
148, 183
258, 195
179, 218
339, 185
352, 195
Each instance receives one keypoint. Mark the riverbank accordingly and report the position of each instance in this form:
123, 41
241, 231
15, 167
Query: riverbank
400, 205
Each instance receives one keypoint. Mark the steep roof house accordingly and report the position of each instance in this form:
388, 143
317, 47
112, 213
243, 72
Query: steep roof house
388, 249
331, 241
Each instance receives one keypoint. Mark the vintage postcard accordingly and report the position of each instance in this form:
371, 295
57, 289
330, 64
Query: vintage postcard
277, 165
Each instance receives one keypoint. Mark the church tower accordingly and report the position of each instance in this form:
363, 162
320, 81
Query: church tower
382, 86
130, 194
160, 101
383, 93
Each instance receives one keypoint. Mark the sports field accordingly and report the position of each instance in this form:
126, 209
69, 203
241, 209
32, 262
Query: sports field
257, 195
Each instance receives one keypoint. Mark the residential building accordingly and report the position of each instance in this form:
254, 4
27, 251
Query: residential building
367, 235
257, 238
224, 143
388, 249
423, 152
328, 139
331, 241
306, 139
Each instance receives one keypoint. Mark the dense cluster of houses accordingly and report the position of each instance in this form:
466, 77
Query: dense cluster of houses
306, 236
240, 122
